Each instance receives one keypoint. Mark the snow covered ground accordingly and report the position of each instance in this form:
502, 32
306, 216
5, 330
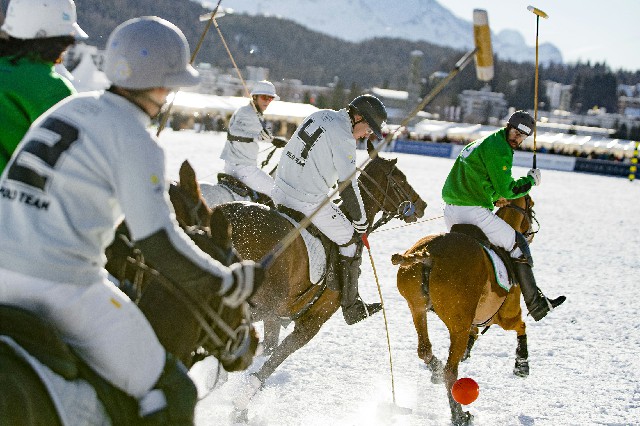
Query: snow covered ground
583, 356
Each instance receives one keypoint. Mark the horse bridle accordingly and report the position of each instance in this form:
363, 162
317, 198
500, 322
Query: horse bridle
529, 215
393, 193
236, 342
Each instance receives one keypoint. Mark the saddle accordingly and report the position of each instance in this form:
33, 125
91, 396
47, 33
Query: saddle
330, 247
43, 342
476, 233
243, 190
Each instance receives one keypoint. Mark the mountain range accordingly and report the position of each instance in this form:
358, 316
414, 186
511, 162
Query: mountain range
414, 20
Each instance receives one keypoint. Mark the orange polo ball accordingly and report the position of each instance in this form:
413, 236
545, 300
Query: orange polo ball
465, 390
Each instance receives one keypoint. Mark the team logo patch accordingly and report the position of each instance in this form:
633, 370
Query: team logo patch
122, 69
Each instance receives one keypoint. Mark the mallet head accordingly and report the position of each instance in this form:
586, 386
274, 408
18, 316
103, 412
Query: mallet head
537, 11
482, 40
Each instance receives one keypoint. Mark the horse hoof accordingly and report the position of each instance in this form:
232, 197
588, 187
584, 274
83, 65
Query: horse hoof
521, 369
240, 416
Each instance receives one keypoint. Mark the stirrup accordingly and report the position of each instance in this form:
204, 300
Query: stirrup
359, 311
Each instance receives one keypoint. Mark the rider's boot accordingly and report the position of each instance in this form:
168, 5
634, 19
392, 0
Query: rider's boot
537, 303
353, 308
173, 399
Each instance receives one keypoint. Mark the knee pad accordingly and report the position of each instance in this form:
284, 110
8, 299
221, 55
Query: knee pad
179, 393
523, 245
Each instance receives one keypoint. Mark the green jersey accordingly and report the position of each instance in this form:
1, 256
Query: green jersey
27, 89
482, 174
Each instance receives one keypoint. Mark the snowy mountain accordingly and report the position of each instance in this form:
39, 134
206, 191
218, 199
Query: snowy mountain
416, 20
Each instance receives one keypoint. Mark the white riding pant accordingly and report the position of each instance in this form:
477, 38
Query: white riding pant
252, 176
329, 219
497, 230
104, 327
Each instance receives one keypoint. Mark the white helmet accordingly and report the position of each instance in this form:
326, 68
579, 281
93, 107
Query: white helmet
265, 87
29, 19
148, 52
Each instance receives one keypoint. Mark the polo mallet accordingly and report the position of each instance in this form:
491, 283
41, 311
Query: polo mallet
538, 14
482, 52
233, 62
394, 406
165, 115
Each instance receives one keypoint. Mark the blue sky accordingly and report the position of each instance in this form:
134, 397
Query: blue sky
582, 29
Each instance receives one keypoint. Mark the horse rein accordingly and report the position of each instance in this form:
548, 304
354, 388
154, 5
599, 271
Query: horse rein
529, 215
405, 207
235, 342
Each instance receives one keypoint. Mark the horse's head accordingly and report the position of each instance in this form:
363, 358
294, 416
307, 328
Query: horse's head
227, 333
520, 215
387, 190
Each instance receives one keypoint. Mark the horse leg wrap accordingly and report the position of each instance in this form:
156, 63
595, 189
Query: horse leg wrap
521, 367
173, 399
248, 390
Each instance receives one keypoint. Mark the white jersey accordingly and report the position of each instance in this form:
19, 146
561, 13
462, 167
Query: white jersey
244, 125
321, 152
82, 167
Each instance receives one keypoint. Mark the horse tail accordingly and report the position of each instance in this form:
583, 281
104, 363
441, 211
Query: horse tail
405, 260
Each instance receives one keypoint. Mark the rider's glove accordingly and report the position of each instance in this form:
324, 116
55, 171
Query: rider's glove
247, 277
536, 175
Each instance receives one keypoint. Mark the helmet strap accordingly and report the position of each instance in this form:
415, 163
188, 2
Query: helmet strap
254, 101
141, 99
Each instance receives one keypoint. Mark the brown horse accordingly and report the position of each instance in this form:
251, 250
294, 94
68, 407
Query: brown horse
462, 290
184, 321
191, 322
509, 316
287, 292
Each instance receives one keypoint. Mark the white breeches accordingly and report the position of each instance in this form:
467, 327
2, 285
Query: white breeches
497, 230
252, 176
329, 219
104, 327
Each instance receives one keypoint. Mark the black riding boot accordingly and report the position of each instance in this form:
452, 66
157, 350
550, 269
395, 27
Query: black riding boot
537, 303
353, 308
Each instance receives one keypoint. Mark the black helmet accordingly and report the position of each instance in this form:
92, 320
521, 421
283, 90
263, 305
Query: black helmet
522, 121
372, 110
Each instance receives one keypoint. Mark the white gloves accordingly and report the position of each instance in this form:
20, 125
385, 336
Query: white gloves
536, 175
247, 276
265, 135
360, 225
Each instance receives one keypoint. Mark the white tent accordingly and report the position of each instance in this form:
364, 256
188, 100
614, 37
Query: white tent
435, 129
190, 102
87, 77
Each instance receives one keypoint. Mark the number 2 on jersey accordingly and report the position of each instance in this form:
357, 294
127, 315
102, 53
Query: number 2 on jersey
50, 154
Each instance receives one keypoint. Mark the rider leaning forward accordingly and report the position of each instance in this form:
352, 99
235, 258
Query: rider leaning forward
85, 165
321, 153
480, 177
